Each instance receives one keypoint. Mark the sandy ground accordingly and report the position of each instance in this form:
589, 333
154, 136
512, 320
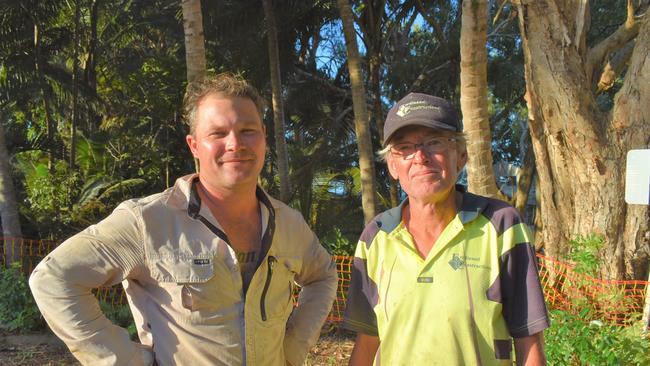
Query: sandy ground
333, 348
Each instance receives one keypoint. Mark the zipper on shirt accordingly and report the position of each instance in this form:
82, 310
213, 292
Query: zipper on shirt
269, 274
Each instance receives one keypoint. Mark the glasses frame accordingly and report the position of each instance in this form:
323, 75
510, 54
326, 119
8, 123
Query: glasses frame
422, 145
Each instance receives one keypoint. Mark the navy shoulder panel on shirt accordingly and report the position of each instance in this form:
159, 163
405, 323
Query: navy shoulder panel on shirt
519, 290
386, 221
499, 213
369, 232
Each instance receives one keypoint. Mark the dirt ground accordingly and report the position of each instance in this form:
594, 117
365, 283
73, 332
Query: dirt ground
333, 348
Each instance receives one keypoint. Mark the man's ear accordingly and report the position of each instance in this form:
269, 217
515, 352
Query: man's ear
191, 143
392, 166
461, 160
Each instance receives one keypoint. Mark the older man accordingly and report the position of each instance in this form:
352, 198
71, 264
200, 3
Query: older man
208, 265
447, 277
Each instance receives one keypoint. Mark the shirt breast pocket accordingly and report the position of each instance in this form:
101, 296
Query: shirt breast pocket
197, 285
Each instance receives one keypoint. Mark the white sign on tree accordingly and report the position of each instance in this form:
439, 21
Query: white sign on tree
637, 177
637, 191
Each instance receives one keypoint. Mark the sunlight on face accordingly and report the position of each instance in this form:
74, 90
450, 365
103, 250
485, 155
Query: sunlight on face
229, 142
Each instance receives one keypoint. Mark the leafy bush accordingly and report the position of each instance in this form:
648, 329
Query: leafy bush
594, 302
569, 341
337, 244
583, 253
18, 310
580, 337
121, 316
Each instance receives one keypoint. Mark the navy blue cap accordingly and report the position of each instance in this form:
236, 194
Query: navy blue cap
421, 110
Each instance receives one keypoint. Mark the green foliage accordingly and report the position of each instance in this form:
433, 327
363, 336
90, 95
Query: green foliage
121, 316
569, 341
18, 311
338, 244
60, 201
594, 305
584, 254
132, 78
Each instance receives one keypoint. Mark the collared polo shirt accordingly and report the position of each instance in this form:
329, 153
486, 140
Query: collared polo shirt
462, 304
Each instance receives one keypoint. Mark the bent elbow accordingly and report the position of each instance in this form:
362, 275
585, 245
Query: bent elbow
36, 282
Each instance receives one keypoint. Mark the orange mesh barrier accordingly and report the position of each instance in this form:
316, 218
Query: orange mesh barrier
614, 302
28, 251
611, 301
344, 270
111, 295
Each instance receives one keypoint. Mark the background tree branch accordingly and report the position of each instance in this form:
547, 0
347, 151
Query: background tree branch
597, 55
614, 67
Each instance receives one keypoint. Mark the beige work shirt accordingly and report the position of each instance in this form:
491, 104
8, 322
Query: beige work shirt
184, 286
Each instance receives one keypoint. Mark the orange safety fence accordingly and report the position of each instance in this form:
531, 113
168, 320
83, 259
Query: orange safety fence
614, 302
28, 252
344, 270
611, 301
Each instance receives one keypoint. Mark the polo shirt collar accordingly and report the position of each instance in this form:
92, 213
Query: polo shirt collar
472, 205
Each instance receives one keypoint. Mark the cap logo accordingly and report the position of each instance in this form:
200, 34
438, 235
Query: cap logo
409, 107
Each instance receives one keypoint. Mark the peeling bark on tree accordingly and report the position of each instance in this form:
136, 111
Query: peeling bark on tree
580, 150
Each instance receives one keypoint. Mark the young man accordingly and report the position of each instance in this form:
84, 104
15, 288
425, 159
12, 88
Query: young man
208, 265
447, 277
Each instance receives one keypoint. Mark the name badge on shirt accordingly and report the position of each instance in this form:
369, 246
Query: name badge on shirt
425, 279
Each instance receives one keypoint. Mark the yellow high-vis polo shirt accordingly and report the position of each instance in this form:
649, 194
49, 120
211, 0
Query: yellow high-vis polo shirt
462, 305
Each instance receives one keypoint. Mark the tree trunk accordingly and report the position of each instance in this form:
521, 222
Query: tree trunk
194, 41
473, 98
524, 179
361, 125
278, 108
90, 75
75, 87
9, 218
580, 149
44, 87
378, 112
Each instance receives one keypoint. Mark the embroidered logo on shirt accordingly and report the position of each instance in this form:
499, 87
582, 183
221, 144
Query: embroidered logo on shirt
456, 263
201, 262
459, 261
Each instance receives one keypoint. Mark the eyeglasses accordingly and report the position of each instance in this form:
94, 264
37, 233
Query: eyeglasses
407, 150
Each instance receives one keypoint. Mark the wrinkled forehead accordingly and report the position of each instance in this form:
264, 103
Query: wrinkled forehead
412, 132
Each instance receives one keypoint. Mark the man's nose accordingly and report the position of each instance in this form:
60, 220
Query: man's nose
420, 155
233, 141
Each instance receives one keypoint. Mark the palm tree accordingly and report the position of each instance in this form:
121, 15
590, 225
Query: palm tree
194, 40
473, 98
9, 218
361, 125
75, 85
278, 107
